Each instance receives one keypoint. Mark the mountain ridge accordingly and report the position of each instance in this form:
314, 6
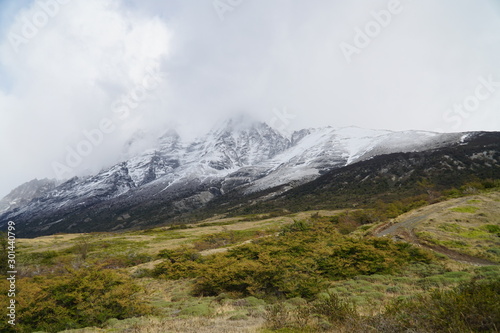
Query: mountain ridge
178, 177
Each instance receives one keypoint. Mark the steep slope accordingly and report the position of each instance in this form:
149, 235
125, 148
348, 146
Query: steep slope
384, 177
316, 151
175, 176
232, 161
23, 194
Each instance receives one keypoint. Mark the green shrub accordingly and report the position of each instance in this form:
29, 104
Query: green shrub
238, 317
335, 309
492, 228
296, 226
197, 310
87, 297
40, 258
452, 193
180, 263
470, 307
298, 263
277, 317
488, 273
465, 209
254, 302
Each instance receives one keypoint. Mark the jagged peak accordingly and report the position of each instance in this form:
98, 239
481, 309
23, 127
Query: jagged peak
170, 138
34, 183
238, 123
170, 133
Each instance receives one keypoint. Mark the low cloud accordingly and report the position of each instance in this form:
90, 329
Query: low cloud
60, 79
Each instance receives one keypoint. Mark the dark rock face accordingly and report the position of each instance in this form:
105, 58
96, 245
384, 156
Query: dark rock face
165, 183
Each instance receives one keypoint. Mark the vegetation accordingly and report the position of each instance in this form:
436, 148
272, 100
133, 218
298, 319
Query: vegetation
80, 298
466, 209
470, 232
470, 307
298, 263
309, 271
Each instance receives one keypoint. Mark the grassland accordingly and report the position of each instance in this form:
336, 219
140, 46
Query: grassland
469, 225
169, 264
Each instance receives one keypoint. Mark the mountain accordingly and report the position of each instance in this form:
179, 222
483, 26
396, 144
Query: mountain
383, 178
26, 192
237, 160
316, 151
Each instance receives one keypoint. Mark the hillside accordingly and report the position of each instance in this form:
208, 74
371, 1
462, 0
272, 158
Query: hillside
383, 178
326, 168
186, 278
464, 229
365, 245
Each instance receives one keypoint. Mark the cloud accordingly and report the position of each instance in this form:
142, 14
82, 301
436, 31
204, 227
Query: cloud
66, 77
262, 56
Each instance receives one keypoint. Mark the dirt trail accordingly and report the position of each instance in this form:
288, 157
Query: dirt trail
404, 231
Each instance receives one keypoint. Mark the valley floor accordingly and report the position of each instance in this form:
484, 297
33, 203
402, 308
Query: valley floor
456, 241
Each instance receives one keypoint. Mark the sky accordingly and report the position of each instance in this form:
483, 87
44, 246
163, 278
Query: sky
78, 78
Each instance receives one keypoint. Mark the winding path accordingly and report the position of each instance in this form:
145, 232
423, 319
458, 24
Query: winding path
404, 231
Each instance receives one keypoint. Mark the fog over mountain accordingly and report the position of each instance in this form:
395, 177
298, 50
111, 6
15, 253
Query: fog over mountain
236, 159
90, 76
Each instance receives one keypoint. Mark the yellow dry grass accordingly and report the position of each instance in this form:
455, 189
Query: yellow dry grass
157, 239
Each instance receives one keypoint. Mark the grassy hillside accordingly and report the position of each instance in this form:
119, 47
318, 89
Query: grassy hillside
379, 269
468, 226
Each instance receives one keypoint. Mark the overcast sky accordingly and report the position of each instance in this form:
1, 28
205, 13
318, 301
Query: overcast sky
120, 66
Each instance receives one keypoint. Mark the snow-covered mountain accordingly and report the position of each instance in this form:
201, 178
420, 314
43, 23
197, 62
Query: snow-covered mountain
178, 176
25, 193
315, 151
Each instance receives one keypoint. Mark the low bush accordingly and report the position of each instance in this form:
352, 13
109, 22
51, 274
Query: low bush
87, 297
470, 307
225, 238
298, 263
335, 309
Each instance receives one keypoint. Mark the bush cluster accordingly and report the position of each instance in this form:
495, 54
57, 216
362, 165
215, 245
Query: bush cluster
297, 263
470, 307
81, 298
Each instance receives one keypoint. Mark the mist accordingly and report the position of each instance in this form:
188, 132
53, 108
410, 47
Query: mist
74, 71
